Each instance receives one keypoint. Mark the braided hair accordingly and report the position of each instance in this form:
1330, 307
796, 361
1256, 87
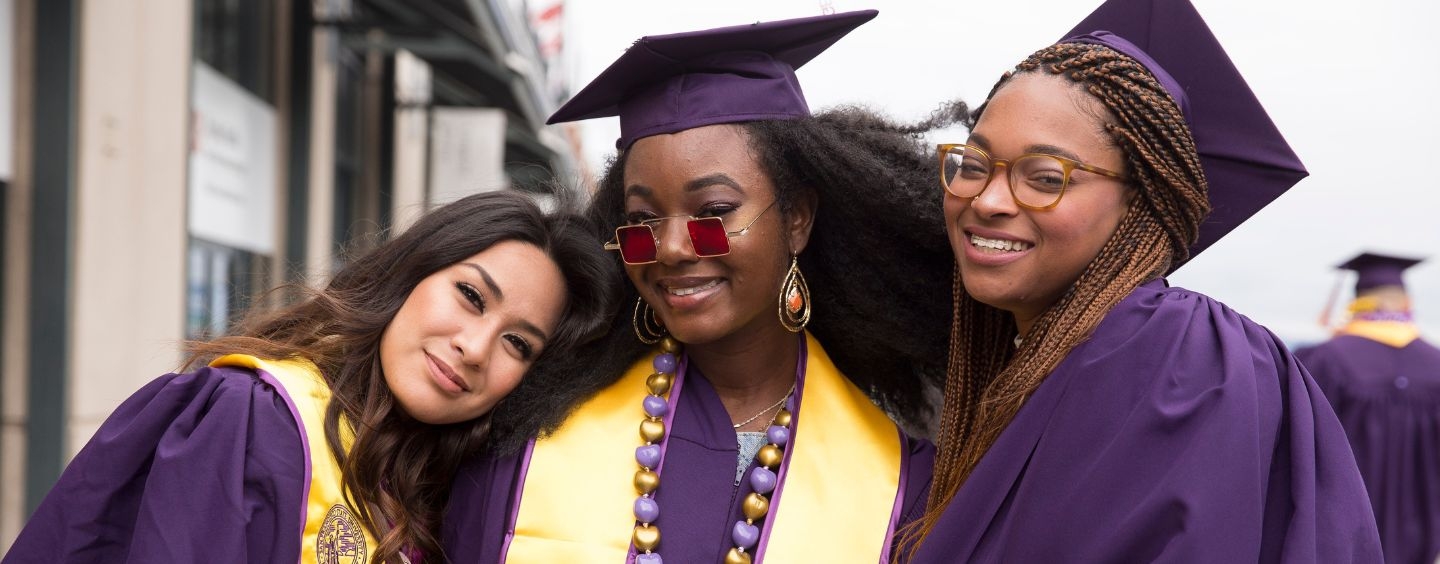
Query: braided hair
988, 380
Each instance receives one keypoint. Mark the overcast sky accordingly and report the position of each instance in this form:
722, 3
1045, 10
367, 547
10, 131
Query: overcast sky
1352, 88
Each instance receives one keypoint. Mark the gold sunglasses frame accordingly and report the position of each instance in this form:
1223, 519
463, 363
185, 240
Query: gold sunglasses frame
614, 245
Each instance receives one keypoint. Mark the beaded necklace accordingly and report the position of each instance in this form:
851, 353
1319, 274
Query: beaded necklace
1379, 315
745, 534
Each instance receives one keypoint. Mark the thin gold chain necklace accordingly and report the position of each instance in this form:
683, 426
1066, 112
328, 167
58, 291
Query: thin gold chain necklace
767, 410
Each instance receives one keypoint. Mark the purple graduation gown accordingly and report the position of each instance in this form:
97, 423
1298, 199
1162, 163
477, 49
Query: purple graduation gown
700, 500
1180, 431
198, 467
1388, 400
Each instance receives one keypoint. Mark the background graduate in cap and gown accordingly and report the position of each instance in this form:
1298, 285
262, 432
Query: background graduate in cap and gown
1093, 413
1384, 382
789, 272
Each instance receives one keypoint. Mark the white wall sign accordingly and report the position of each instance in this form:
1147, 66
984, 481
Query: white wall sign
467, 152
232, 164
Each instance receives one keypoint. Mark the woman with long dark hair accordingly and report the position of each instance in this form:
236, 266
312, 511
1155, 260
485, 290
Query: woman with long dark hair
330, 430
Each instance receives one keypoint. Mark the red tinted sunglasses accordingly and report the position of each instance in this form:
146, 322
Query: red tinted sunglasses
638, 244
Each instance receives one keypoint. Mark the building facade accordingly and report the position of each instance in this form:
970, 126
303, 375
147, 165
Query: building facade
164, 162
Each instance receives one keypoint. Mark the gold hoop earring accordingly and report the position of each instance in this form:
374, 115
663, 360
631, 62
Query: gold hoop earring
647, 327
794, 299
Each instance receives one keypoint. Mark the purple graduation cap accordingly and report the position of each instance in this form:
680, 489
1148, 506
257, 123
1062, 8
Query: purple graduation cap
1247, 162
670, 83
1377, 270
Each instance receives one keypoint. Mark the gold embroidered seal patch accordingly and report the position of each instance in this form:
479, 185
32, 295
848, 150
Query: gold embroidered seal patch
341, 541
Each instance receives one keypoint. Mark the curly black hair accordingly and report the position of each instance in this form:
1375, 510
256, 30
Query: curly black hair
878, 266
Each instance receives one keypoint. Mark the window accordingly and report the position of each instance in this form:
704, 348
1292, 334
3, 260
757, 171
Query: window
237, 38
220, 284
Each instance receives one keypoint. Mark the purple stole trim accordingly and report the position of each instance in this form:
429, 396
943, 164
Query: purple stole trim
519, 491
780, 476
515, 506
899, 499
304, 442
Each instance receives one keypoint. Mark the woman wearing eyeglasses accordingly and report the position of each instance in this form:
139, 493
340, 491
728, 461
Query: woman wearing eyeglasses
713, 425
1093, 413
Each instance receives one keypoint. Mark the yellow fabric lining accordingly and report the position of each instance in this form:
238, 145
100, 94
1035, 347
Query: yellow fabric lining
331, 525
841, 478
845, 454
578, 498
1397, 334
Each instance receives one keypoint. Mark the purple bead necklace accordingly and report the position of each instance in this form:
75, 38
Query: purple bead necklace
1384, 315
763, 479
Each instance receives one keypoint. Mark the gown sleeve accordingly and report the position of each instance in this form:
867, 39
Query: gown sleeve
1319, 365
482, 499
1227, 451
918, 476
1180, 431
199, 467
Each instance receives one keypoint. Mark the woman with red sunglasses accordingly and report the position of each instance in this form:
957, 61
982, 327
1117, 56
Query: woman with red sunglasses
751, 232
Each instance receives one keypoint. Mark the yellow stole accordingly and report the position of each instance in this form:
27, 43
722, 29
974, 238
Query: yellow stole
1397, 334
839, 492
332, 530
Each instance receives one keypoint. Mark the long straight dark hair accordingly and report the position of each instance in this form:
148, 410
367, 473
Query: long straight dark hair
397, 466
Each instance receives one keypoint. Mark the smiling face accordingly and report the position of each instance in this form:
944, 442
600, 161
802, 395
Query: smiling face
467, 333
1022, 260
710, 172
